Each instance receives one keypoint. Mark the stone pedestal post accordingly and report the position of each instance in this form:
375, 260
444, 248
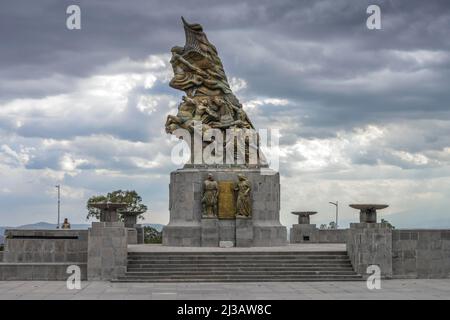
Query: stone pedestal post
209, 232
300, 233
244, 232
304, 231
370, 244
107, 250
140, 233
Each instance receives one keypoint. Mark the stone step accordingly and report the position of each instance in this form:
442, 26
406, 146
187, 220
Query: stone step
245, 279
238, 262
238, 266
230, 270
239, 253
227, 256
227, 273
231, 257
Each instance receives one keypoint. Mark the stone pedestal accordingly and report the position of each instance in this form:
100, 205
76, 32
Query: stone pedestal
184, 228
131, 236
300, 233
370, 244
244, 232
107, 250
140, 233
210, 232
227, 230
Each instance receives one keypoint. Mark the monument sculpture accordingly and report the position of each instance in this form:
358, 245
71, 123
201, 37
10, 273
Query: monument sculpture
210, 197
198, 71
243, 203
205, 199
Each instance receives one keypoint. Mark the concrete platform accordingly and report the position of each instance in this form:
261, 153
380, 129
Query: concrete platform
304, 247
390, 289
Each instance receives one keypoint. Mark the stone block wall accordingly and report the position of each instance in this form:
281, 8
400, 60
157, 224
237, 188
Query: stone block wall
370, 244
55, 271
107, 250
421, 253
45, 246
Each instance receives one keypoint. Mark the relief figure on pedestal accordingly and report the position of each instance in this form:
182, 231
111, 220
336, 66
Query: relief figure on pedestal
210, 197
243, 203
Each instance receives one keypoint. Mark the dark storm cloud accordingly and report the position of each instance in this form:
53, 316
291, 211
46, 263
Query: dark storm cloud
307, 51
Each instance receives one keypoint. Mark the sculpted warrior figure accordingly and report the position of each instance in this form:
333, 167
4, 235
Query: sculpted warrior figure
210, 197
243, 203
208, 100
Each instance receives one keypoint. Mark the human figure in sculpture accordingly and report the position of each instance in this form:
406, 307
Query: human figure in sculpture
243, 203
210, 197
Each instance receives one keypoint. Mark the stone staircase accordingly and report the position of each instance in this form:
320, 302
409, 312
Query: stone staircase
238, 266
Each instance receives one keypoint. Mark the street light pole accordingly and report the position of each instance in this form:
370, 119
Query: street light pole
59, 203
336, 204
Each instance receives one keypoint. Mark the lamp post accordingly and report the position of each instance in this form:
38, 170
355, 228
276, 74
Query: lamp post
59, 202
336, 204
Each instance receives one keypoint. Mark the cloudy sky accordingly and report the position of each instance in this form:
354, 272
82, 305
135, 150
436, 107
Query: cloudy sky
364, 115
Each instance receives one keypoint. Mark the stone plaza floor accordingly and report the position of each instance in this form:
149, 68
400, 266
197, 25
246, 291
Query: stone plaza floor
390, 289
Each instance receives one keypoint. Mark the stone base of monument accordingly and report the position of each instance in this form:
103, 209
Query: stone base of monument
186, 225
107, 250
244, 232
210, 232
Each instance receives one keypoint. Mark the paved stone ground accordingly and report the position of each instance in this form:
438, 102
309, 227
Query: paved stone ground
391, 289
289, 248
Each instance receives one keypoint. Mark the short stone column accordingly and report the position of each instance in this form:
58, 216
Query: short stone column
107, 250
130, 218
140, 233
209, 232
370, 243
304, 231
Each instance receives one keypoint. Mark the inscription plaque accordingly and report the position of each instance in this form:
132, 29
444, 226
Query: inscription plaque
227, 206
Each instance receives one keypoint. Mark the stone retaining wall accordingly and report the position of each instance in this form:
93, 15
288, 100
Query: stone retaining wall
421, 253
308, 233
43, 246
38, 271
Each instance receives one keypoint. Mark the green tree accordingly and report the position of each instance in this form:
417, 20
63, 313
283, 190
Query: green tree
387, 223
151, 235
132, 198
